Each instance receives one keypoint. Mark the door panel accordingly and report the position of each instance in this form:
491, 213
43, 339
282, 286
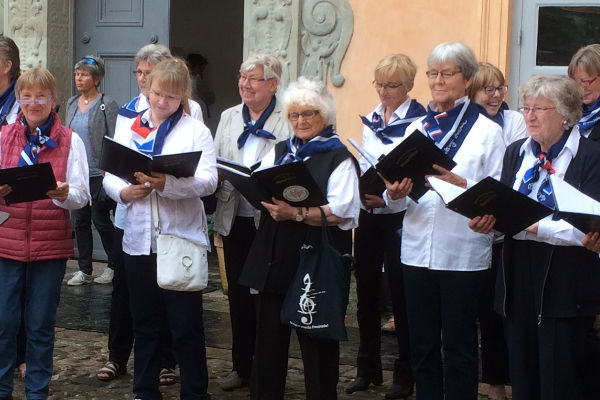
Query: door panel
545, 36
115, 30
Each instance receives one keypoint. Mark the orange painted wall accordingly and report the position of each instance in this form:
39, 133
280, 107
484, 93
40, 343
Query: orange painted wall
413, 27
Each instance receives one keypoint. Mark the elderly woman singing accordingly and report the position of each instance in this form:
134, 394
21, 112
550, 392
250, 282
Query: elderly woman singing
274, 256
548, 285
444, 261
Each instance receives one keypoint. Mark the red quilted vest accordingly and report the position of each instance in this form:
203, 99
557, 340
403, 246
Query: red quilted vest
37, 230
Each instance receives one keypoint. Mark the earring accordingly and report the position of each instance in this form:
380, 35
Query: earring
565, 125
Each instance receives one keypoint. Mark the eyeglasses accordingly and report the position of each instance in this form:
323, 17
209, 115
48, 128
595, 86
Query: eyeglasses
387, 86
492, 89
89, 60
139, 72
307, 114
433, 74
39, 101
586, 83
168, 97
535, 110
251, 80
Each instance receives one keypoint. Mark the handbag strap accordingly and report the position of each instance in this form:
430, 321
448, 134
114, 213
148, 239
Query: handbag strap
324, 230
155, 219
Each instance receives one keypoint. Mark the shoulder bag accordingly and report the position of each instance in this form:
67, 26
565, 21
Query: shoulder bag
181, 265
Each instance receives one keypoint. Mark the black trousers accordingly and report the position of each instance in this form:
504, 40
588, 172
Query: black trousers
241, 308
120, 328
546, 355
494, 354
319, 357
377, 242
182, 311
99, 214
442, 312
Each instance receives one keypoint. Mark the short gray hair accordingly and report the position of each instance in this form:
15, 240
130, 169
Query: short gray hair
565, 93
94, 65
152, 53
312, 93
457, 53
270, 64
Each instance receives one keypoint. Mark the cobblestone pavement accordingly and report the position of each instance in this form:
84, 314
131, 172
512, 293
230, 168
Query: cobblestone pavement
80, 352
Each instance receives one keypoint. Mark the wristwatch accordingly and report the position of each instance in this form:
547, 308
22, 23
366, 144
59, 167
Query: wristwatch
300, 215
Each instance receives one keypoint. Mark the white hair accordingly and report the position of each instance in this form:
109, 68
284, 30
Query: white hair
312, 93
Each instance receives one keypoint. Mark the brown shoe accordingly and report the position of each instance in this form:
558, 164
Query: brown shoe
232, 381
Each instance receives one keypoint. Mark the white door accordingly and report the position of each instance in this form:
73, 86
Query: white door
546, 34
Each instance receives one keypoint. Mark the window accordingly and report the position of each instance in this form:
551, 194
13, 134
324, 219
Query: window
564, 30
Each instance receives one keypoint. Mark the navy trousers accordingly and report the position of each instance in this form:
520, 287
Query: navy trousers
152, 308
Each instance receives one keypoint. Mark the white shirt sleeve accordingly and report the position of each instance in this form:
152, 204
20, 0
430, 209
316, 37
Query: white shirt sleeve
342, 194
77, 176
204, 181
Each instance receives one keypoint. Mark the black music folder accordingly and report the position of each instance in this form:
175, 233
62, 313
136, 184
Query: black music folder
28, 183
413, 158
513, 210
289, 182
123, 162
575, 207
370, 183
3, 217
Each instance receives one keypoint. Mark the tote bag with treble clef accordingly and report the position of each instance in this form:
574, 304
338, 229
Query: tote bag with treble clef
316, 300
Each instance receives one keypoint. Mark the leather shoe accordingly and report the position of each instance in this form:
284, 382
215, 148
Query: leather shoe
232, 381
399, 391
361, 383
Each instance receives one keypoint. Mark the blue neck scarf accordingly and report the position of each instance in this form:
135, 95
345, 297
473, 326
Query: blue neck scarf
398, 127
544, 161
128, 110
499, 117
155, 146
326, 141
456, 123
29, 155
591, 116
7, 100
256, 129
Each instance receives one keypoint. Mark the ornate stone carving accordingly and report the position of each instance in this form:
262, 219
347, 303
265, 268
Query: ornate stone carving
27, 24
310, 37
327, 27
269, 31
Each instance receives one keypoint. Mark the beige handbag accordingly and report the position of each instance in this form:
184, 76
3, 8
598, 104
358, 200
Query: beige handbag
181, 265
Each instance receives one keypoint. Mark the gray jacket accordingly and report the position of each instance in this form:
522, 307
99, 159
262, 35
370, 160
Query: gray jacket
230, 127
100, 123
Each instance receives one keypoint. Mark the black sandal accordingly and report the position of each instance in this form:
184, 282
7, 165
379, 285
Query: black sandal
110, 371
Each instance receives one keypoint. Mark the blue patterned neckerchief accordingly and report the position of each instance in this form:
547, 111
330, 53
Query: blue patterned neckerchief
499, 117
29, 154
129, 110
296, 151
396, 128
155, 145
7, 100
452, 127
256, 129
591, 115
544, 161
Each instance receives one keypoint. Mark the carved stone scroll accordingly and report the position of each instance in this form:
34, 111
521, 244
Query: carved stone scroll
310, 37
